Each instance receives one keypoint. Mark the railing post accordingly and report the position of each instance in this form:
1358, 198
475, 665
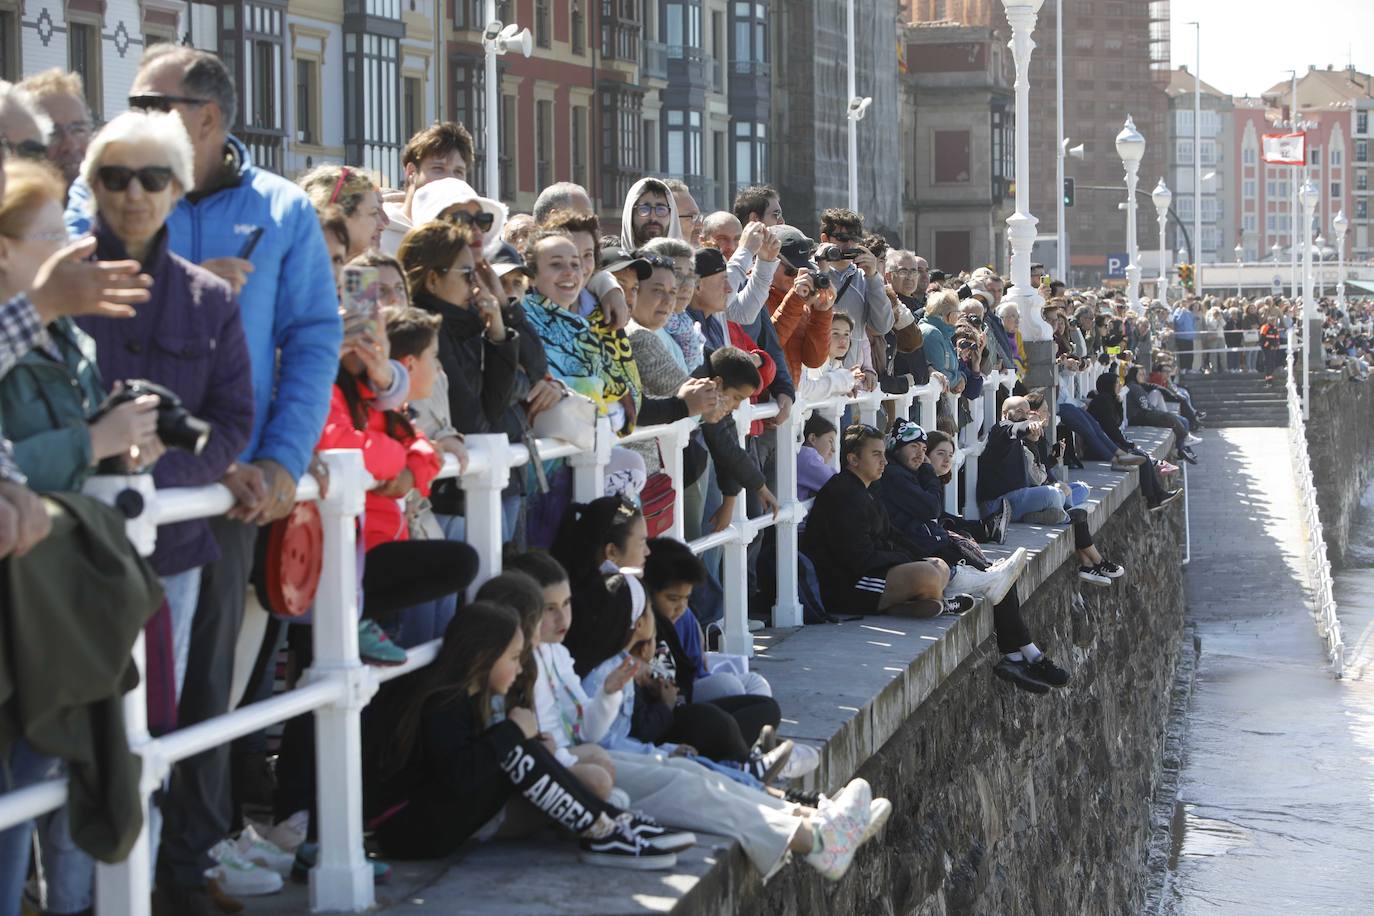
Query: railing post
832, 412
868, 409
589, 468
787, 612
735, 561
482, 502
126, 887
670, 447
928, 412
342, 880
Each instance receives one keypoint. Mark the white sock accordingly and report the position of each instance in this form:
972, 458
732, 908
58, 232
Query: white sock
1031, 652
1014, 657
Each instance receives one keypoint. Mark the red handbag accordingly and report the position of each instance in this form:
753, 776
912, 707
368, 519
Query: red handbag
658, 500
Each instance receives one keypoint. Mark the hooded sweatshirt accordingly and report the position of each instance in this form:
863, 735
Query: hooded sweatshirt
627, 215
394, 205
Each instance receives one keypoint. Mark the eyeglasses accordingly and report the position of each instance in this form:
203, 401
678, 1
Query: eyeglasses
653, 210
694, 217
842, 236
152, 178
75, 130
25, 149
482, 220
907, 271
153, 101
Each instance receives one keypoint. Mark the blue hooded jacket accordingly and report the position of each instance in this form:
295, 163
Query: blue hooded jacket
289, 303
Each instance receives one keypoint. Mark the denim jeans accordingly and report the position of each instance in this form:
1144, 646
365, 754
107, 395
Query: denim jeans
1028, 500
23, 768
66, 872
1096, 445
183, 593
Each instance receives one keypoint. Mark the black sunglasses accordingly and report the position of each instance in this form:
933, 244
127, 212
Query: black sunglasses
163, 103
483, 220
152, 178
25, 149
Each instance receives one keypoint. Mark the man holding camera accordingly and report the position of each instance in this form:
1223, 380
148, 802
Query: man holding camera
800, 302
853, 272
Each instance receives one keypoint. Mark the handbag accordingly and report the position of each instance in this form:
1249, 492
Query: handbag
572, 419
657, 501
290, 558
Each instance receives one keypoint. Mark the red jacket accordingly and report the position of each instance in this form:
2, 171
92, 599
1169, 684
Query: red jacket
804, 332
768, 369
384, 458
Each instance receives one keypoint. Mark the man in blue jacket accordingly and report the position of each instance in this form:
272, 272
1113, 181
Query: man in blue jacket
259, 232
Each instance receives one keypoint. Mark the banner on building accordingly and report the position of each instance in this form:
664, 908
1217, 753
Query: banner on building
1285, 149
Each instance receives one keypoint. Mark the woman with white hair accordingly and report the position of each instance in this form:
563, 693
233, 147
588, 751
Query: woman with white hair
188, 337
1010, 315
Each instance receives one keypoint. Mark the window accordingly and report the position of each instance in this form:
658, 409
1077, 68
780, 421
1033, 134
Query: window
1337, 155
579, 29
1362, 208
1183, 122
307, 102
1362, 181
1183, 206
1271, 222
83, 57
543, 144
651, 146
1209, 209
1248, 222
684, 28
1362, 122
1314, 156
1183, 151
1361, 150
1083, 69
1209, 152
952, 156
543, 25
1270, 189
11, 67
264, 85
751, 153
684, 143
953, 247
1248, 188
412, 106
1248, 155
750, 52
579, 145
1336, 189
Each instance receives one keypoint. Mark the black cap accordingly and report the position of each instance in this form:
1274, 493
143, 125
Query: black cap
708, 262
614, 258
796, 247
506, 259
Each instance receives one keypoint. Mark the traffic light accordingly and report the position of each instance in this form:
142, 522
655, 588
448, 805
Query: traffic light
1068, 192
1185, 276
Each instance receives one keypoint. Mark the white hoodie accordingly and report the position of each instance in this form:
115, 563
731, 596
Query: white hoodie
627, 215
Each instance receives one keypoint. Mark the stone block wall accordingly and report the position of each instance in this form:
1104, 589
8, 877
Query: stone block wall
1006, 802
1340, 444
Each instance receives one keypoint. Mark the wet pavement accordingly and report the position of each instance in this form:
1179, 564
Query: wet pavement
1276, 800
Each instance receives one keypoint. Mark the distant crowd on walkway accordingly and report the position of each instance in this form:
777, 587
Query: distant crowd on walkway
171, 308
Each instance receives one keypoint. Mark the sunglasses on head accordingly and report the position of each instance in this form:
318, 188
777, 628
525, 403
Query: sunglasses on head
658, 261
842, 236
482, 220
25, 149
117, 177
162, 103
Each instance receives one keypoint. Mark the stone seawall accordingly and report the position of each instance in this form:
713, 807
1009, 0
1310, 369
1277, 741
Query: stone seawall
1010, 803
1340, 443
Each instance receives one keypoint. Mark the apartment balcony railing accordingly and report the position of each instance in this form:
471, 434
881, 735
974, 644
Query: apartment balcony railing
756, 68
654, 63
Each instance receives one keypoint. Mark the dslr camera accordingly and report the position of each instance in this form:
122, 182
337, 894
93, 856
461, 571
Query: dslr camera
176, 426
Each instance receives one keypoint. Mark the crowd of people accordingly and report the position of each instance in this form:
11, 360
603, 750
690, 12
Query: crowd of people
170, 307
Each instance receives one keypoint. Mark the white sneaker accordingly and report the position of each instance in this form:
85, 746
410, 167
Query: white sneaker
879, 810
290, 833
992, 583
264, 853
756, 626
804, 759
1190, 439
237, 876
840, 826
619, 798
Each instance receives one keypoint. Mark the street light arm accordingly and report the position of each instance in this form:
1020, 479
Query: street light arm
1141, 192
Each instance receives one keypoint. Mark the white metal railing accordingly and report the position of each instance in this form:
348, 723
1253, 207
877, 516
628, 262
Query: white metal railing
338, 685
1318, 565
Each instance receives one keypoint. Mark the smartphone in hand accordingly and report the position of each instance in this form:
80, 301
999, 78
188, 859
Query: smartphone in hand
360, 305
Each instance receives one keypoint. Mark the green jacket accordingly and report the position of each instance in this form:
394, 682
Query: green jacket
44, 404
70, 610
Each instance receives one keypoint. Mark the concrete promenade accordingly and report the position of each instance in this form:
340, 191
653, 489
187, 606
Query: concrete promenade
845, 689
1276, 812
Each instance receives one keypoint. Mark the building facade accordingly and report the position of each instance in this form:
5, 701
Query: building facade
958, 121
1219, 223
1359, 239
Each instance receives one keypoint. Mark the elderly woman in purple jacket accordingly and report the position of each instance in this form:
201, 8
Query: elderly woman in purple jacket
188, 337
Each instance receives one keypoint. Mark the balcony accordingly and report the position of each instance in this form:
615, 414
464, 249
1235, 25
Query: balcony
654, 64
706, 191
755, 68
717, 68
688, 67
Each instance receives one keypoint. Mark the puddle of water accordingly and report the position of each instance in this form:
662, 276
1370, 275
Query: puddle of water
1197, 837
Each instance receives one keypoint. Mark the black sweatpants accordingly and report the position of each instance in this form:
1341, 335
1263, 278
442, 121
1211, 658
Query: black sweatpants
439, 819
402, 574
725, 728
1008, 624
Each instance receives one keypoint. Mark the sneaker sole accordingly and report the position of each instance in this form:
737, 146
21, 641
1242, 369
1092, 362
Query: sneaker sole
1094, 580
880, 809
634, 863
1030, 686
778, 765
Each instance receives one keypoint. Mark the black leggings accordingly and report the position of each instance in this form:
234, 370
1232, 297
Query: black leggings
438, 820
1008, 625
402, 574
1163, 420
725, 728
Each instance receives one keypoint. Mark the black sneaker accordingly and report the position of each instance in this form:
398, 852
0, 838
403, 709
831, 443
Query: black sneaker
1111, 570
959, 604
622, 849
997, 525
1018, 674
1094, 574
765, 767
656, 835
1168, 498
1186, 454
1047, 671
806, 799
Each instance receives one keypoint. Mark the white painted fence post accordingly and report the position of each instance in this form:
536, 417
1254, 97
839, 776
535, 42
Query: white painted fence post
482, 502
787, 611
589, 468
342, 880
126, 887
735, 560
671, 447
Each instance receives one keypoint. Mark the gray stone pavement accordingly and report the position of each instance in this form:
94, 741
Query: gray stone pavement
1276, 810
845, 689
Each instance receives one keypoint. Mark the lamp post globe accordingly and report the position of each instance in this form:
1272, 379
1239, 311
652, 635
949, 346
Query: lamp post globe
1162, 197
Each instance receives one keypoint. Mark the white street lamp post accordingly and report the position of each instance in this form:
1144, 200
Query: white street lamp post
1021, 224
1061, 247
1339, 225
1321, 257
497, 39
1307, 196
1240, 259
858, 107
1197, 154
1162, 197
1130, 146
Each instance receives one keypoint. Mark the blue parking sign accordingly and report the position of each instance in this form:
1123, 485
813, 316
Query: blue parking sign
1116, 265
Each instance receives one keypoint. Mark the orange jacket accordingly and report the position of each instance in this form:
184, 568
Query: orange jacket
768, 369
803, 331
384, 457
